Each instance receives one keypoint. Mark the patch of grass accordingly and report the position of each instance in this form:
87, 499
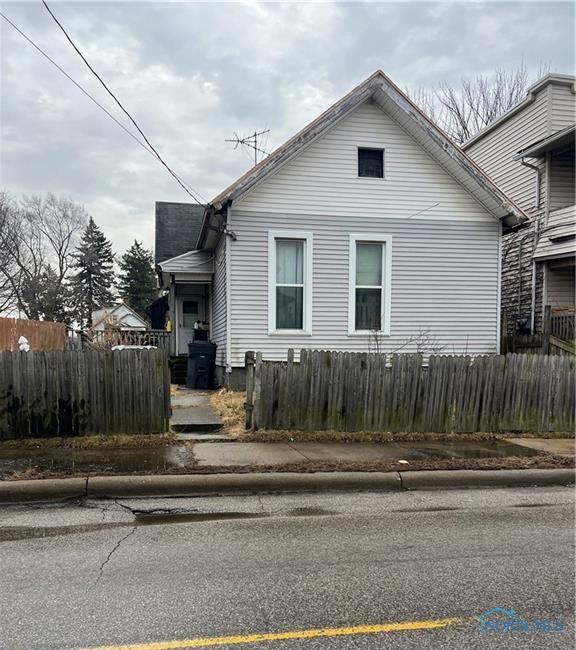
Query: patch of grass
229, 404
361, 436
92, 442
383, 436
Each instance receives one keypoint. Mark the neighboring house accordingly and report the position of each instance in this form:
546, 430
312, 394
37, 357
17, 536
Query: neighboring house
181, 271
119, 317
369, 229
529, 153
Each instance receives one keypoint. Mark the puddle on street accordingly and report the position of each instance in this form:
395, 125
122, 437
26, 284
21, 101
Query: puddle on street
155, 519
91, 460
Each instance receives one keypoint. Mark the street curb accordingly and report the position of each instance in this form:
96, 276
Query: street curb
230, 484
478, 478
226, 484
52, 489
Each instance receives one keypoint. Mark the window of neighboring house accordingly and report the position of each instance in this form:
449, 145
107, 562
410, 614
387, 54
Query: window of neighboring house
290, 282
370, 275
371, 163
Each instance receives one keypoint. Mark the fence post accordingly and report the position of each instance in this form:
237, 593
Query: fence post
249, 403
257, 402
503, 333
546, 325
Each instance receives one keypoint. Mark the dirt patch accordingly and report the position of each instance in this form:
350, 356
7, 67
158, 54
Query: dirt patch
543, 461
92, 442
229, 405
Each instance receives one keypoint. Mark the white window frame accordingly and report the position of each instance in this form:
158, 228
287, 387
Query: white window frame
386, 287
307, 238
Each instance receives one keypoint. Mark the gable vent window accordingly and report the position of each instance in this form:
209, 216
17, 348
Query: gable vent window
371, 163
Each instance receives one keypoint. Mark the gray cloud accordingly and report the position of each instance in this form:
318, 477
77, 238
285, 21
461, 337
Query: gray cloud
192, 73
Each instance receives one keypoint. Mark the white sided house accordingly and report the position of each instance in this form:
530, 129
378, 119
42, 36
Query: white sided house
120, 317
369, 230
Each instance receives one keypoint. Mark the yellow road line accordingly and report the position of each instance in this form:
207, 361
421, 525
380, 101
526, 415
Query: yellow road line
207, 642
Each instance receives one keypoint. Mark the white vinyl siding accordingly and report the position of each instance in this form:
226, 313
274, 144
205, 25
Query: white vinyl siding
323, 179
298, 278
563, 107
560, 288
495, 151
218, 325
562, 180
557, 238
444, 279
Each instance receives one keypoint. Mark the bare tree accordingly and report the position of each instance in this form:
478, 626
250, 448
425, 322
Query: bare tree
423, 343
37, 237
464, 109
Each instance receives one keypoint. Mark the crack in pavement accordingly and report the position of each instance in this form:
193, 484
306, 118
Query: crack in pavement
116, 547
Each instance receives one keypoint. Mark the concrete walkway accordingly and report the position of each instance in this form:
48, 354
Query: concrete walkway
192, 415
557, 446
279, 453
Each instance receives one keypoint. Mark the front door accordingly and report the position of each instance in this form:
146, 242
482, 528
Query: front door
189, 314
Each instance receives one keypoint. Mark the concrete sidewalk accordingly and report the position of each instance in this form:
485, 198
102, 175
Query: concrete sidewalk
192, 415
280, 453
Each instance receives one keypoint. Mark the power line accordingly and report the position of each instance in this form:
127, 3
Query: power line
81, 88
69, 39
76, 83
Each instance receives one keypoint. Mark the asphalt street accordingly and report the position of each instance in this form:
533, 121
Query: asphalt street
392, 570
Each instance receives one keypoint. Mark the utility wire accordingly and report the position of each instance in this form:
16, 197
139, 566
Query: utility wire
83, 90
183, 185
152, 151
76, 83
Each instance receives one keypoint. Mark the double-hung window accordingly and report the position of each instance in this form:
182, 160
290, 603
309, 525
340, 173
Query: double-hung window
370, 283
289, 282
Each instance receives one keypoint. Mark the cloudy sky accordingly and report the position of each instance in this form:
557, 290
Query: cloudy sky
193, 73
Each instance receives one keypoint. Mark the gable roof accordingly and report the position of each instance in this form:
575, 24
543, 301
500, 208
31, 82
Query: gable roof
176, 230
380, 89
110, 310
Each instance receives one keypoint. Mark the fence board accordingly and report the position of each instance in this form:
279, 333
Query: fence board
41, 335
356, 391
75, 392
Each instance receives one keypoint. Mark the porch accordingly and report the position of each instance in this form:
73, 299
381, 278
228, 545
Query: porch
187, 280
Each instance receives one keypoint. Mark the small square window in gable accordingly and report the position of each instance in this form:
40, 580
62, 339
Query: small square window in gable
370, 163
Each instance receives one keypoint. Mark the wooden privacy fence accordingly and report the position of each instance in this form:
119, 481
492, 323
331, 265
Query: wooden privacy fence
345, 391
41, 335
76, 393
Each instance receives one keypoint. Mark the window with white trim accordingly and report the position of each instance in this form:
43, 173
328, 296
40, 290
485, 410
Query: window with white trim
370, 280
290, 282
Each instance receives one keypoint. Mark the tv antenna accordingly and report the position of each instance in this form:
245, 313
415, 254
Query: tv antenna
250, 141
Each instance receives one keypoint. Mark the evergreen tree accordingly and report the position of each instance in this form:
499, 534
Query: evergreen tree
92, 285
137, 280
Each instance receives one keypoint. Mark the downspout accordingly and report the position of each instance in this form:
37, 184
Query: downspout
537, 200
228, 254
538, 175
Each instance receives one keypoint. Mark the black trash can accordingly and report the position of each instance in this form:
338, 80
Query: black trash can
201, 364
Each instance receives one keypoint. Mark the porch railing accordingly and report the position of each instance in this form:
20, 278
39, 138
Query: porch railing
109, 338
562, 326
